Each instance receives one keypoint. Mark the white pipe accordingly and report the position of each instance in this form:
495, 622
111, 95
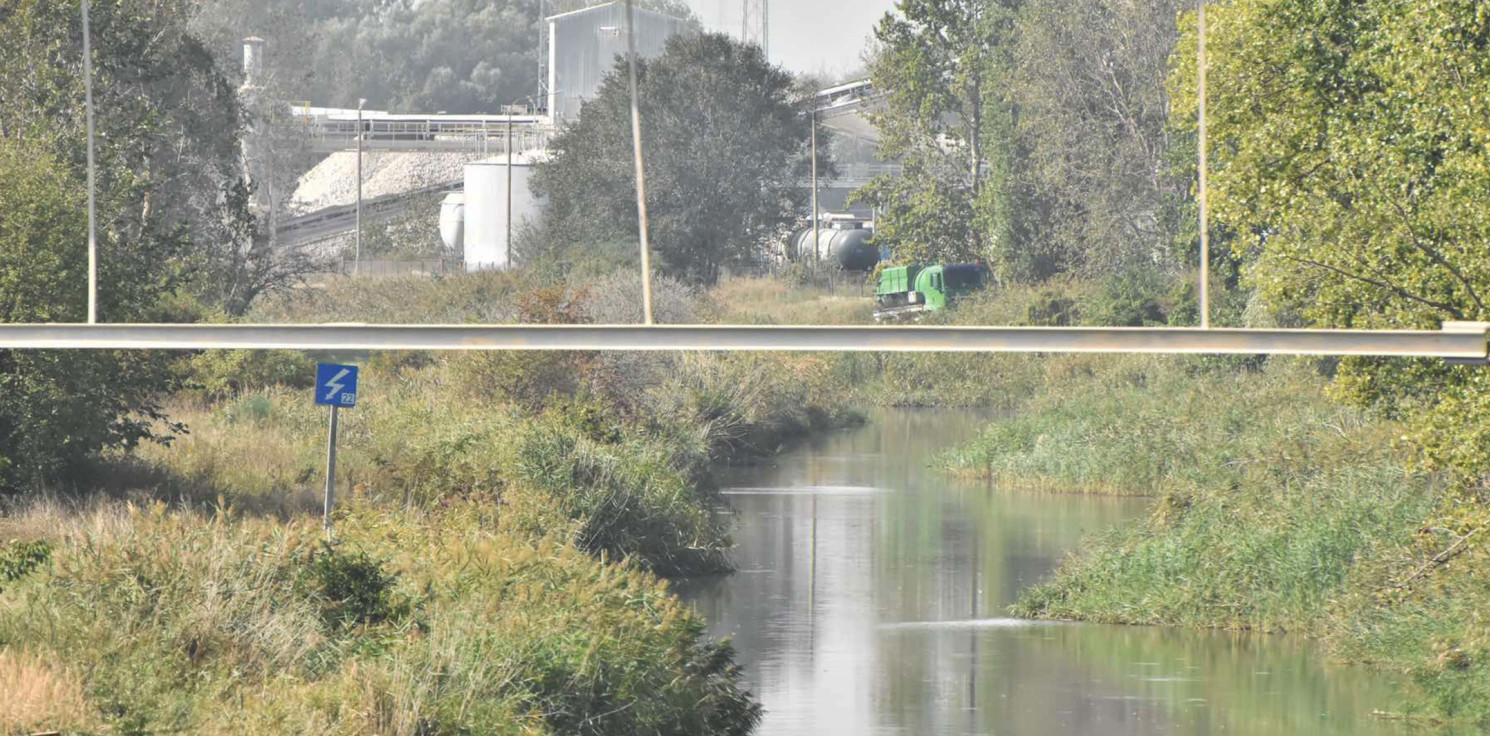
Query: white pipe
1461, 342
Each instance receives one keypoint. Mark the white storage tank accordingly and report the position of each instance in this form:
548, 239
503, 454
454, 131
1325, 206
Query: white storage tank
486, 230
453, 222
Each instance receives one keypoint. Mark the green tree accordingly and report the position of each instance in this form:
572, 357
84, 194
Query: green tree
173, 219
170, 184
944, 65
57, 408
1352, 160
457, 56
1090, 84
1351, 149
727, 145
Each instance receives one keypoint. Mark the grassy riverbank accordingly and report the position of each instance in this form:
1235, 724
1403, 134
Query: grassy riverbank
503, 523
1276, 510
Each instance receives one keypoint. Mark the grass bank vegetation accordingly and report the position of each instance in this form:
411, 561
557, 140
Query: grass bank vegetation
505, 528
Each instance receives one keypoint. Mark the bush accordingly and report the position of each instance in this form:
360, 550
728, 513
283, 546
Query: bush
19, 559
222, 374
1130, 299
195, 626
352, 588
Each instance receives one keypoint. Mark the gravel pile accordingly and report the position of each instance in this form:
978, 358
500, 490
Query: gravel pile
333, 183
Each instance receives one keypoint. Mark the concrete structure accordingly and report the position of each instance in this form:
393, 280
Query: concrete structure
583, 46
486, 231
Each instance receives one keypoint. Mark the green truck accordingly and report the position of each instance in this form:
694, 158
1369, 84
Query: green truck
907, 292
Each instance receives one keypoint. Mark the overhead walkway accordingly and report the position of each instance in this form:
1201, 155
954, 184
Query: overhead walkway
329, 130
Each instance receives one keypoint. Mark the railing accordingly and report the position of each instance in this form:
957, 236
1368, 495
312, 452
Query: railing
488, 137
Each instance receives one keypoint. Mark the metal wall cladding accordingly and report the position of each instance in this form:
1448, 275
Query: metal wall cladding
585, 47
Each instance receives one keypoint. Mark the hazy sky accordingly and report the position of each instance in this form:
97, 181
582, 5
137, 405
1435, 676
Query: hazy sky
806, 35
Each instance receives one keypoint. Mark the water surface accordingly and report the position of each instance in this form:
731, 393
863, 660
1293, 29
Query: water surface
872, 597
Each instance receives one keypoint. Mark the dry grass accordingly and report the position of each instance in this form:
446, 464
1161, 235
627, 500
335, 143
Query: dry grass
764, 301
36, 697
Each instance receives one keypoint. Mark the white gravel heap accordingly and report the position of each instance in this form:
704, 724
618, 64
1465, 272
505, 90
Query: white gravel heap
333, 182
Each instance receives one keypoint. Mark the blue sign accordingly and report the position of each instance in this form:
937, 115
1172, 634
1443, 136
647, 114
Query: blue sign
336, 385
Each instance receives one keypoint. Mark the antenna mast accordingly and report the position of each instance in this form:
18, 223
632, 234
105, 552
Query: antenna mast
755, 24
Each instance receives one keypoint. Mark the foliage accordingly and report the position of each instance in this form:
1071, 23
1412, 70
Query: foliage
726, 142
19, 559
227, 373
1128, 299
1353, 154
205, 626
57, 409
172, 200
1093, 113
352, 588
1034, 134
458, 56
942, 63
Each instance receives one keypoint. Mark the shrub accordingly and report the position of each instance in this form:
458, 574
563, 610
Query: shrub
225, 373
19, 559
1131, 299
352, 588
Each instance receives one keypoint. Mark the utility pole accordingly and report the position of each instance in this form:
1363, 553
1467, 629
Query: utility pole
357, 264
817, 237
755, 24
330, 502
641, 171
509, 187
92, 168
1205, 224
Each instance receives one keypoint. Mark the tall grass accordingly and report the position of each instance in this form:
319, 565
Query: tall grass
39, 697
215, 625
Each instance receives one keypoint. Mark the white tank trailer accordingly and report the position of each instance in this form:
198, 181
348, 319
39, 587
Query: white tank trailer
847, 244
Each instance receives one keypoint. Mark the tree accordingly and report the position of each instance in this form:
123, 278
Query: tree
171, 183
943, 65
171, 206
727, 148
1090, 82
56, 408
456, 56
1352, 159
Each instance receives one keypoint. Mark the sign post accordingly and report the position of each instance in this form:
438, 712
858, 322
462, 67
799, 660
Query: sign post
336, 387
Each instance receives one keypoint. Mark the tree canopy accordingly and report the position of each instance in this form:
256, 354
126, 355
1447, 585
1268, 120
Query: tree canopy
1033, 133
172, 218
726, 138
456, 56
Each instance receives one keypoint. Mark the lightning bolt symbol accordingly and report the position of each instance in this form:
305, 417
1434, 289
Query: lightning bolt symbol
335, 385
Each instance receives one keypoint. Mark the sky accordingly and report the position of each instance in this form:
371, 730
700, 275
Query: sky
807, 35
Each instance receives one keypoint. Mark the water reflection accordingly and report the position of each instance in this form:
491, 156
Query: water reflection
872, 599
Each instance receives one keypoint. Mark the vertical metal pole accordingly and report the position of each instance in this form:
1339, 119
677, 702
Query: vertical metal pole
357, 264
817, 238
509, 188
766, 29
331, 469
641, 172
1205, 222
92, 169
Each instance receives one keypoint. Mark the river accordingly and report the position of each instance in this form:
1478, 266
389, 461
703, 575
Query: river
871, 599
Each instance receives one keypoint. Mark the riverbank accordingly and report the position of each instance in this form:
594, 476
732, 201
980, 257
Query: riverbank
1276, 510
503, 528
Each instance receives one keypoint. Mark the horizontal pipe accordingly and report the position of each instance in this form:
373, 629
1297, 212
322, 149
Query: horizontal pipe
1457, 344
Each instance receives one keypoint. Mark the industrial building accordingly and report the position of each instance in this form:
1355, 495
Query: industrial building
583, 47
